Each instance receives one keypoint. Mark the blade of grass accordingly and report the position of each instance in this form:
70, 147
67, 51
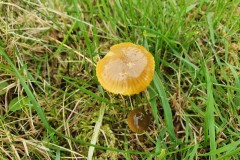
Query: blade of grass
209, 116
166, 107
153, 102
96, 131
209, 125
210, 24
160, 146
234, 152
192, 154
229, 149
126, 148
237, 84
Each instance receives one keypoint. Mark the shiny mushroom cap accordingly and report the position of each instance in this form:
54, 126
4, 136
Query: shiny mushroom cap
126, 69
138, 120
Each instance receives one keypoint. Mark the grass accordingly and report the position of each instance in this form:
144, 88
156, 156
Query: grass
52, 106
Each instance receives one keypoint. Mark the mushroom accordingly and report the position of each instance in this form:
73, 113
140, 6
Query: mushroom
138, 120
126, 69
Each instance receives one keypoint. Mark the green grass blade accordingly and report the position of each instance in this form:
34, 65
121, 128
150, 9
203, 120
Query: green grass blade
209, 130
96, 131
228, 149
237, 84
194, 152
166, 107
153, 102
211, 30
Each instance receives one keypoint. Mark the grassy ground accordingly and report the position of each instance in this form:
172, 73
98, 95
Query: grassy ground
52, 106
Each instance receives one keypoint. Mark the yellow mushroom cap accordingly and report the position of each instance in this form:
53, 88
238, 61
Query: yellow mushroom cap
126, 69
